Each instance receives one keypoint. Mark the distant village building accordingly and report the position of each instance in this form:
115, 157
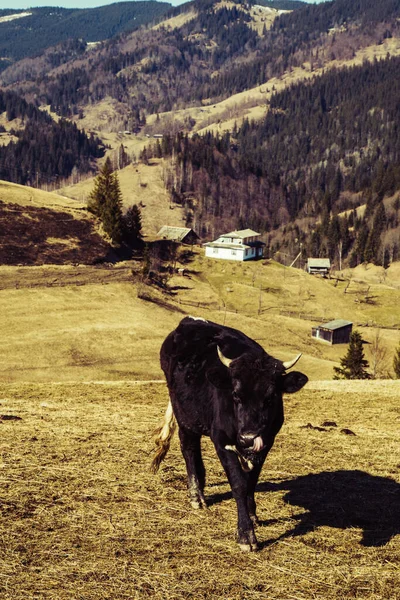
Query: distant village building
183, 235
334, 332
319, 266
236, 245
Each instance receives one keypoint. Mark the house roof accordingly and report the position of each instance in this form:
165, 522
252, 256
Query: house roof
229, 246
243, 233
174, 233
319, 262
336, 324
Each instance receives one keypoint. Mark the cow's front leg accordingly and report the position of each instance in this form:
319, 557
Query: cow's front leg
191, 450
238, 480
252, 481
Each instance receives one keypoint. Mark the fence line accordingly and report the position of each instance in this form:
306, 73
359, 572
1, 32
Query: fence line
21, 285
280, 312
196, 304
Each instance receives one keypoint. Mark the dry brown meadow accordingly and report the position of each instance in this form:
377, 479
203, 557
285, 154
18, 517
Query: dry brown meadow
82, 517
80, 394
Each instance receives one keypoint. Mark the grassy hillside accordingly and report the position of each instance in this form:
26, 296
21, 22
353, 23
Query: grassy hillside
39, 227
82, 323
140, 184
82, 515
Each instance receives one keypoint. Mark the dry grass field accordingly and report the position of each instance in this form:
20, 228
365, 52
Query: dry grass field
83, 518
84, 323
81, 392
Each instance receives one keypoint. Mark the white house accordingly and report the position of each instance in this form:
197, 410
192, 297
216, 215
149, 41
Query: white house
236, 245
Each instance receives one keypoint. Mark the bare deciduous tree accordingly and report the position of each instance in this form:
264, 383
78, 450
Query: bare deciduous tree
378, 356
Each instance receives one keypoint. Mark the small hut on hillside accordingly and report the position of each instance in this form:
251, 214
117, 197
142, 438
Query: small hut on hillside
334, 332
182, 235
318, 266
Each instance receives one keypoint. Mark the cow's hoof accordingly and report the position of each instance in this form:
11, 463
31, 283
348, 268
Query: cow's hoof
198, 504
248, 542
249, 547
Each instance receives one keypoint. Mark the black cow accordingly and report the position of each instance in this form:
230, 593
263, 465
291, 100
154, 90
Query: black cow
236, 401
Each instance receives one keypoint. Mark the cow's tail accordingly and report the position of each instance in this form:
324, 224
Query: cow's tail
163, 436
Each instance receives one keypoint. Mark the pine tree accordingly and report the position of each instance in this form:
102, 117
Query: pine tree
132, 224
98, 196
105, 201
353, 365
396, 363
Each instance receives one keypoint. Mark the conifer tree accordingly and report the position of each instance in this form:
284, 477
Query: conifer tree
105, 201
132, 223
396, 363
353, 365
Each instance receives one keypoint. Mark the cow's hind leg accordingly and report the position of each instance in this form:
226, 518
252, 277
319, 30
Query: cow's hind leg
191, 450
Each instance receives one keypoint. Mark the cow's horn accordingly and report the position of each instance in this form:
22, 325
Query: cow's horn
290, 363
225, 361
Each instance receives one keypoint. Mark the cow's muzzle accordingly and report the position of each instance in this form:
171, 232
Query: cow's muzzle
251, 441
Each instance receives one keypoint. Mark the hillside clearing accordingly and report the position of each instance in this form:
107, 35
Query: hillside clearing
15, 16
83, 323
83, 517
29, 196
178, 21
140, 184
253, 103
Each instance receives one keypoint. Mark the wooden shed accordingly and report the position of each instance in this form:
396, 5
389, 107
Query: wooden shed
318, 266
334, 332
183, 235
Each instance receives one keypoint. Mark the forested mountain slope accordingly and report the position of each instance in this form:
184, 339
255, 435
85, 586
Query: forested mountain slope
44, 150
215, 54
29, 32
319, 151
320, 147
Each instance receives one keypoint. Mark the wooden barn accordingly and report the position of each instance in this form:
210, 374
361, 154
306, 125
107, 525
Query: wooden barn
182, 235
318, 266
334, 332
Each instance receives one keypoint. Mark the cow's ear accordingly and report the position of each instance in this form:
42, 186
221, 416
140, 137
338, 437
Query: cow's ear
293, 382
219, 378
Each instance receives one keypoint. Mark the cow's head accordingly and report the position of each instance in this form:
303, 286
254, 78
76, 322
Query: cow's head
258, 382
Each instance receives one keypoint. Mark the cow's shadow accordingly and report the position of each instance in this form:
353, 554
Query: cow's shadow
341, 499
